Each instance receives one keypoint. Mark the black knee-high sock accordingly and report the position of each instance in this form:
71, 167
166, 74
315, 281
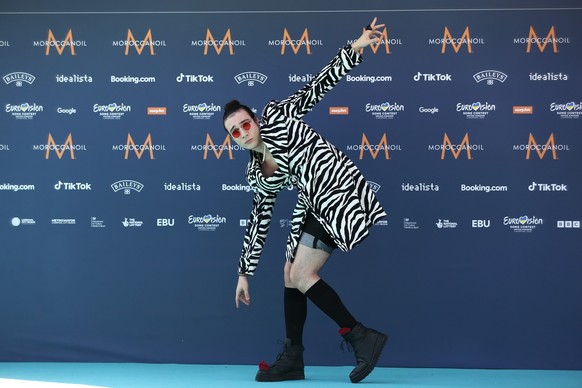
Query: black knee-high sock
295, 304
328, 301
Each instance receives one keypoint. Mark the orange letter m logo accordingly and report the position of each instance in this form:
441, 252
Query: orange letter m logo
287, 40
374, 150
139, 150
541, 43
60, 46
464, 145
139, 46
465, 38
541, 150
60, 150
210, 41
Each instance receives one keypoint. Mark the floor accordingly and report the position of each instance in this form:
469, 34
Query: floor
75, 375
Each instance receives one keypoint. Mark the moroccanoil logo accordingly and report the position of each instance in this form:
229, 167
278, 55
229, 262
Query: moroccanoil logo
296, 44
218, 44
541, 42
139, 149
456, 43
375, 149
385, 42
59, 149
456, 149
541, 149
217, 149
61, 44
147, 42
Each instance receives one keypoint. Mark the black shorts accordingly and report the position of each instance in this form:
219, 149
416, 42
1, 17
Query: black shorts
315, 236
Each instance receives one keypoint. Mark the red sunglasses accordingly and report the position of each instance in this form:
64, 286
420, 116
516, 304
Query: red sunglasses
236, 132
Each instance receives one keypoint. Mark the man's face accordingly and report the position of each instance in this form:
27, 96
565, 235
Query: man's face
244, 130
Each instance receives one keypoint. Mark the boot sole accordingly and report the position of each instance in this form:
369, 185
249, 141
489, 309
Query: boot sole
264, 377
375, 356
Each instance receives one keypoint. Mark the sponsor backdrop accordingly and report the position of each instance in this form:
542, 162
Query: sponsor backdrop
123, 202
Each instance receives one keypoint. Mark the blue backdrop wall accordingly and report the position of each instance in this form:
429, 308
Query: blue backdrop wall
123, 203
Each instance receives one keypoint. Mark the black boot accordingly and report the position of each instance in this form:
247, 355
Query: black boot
287, 366
367, 345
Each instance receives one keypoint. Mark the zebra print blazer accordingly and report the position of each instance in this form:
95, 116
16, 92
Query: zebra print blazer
329, 185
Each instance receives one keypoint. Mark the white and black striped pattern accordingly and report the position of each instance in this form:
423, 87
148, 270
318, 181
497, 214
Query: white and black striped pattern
329, 184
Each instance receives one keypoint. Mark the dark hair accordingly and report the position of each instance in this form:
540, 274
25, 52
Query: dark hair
231, 107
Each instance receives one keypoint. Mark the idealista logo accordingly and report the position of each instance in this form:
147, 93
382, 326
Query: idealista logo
60, 149
73, 78
534, 40
549, 76
206, 223
147, 42
139, 149
490, 76
218, 44
18, 78
24, 111
541, 149
569, 110
420, 187
127, 186
296, 44
374, 149
217, 149
202, 110
476, 110
385, 42
60, 45
456, 149
182, 186
456, 43
523, 224
385, 110
111, 111
250, 77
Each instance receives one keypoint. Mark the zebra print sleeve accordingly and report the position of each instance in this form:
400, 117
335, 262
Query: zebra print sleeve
256, 232
300, 103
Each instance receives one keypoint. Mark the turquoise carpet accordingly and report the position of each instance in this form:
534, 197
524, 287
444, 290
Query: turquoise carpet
75, 375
